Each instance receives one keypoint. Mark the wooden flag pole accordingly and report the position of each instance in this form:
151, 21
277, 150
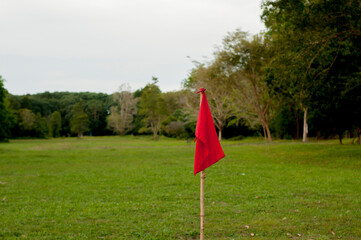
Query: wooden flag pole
203, 177
208, 148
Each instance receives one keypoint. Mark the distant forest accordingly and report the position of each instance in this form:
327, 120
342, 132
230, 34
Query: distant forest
60, 114
301, 78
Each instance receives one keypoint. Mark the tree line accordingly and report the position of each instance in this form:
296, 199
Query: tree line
62, 114
301, 77
303, 74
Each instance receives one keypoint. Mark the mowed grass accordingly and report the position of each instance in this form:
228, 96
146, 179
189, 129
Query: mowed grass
136, 188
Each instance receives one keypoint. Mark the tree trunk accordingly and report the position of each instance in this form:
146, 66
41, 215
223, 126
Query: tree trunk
305, 126
268, 133
264, 132
155, 134
220, 134
297, 125
358, 134
80, 135
340, 138
354, 137
155, 131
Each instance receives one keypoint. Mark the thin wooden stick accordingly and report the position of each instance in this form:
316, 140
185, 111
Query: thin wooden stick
203, 177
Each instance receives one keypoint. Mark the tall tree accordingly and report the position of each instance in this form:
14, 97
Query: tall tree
40, 127
247, 60
122, 114
27, 120
215, 80
80, 120
31, 124
311, 38
6, 119
235, 80
55, 124
153, 107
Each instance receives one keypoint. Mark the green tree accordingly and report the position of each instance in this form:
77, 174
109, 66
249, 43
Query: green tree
6, 118
94, 109
55, 124
96, 105
175, 123
27, 120
40, 127
153, 107
31, 124
246, 61
235, 81
317, 45
80, 120
288, 72
214, 77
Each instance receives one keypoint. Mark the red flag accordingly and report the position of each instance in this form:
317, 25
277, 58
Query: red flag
208, 148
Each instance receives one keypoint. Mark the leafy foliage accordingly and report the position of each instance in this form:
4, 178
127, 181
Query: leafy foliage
6, 118
55, 124
80, 120
318, 54
153, 107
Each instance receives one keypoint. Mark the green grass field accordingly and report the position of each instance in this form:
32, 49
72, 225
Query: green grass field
135, 188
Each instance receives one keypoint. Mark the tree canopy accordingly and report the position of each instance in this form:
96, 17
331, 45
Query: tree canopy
80, 120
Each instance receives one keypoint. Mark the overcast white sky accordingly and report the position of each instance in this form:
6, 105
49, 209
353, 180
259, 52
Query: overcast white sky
96, 45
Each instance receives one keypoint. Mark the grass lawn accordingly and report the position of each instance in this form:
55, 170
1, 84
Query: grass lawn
135, 188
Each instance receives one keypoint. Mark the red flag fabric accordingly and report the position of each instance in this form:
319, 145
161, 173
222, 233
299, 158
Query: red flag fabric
208, 148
